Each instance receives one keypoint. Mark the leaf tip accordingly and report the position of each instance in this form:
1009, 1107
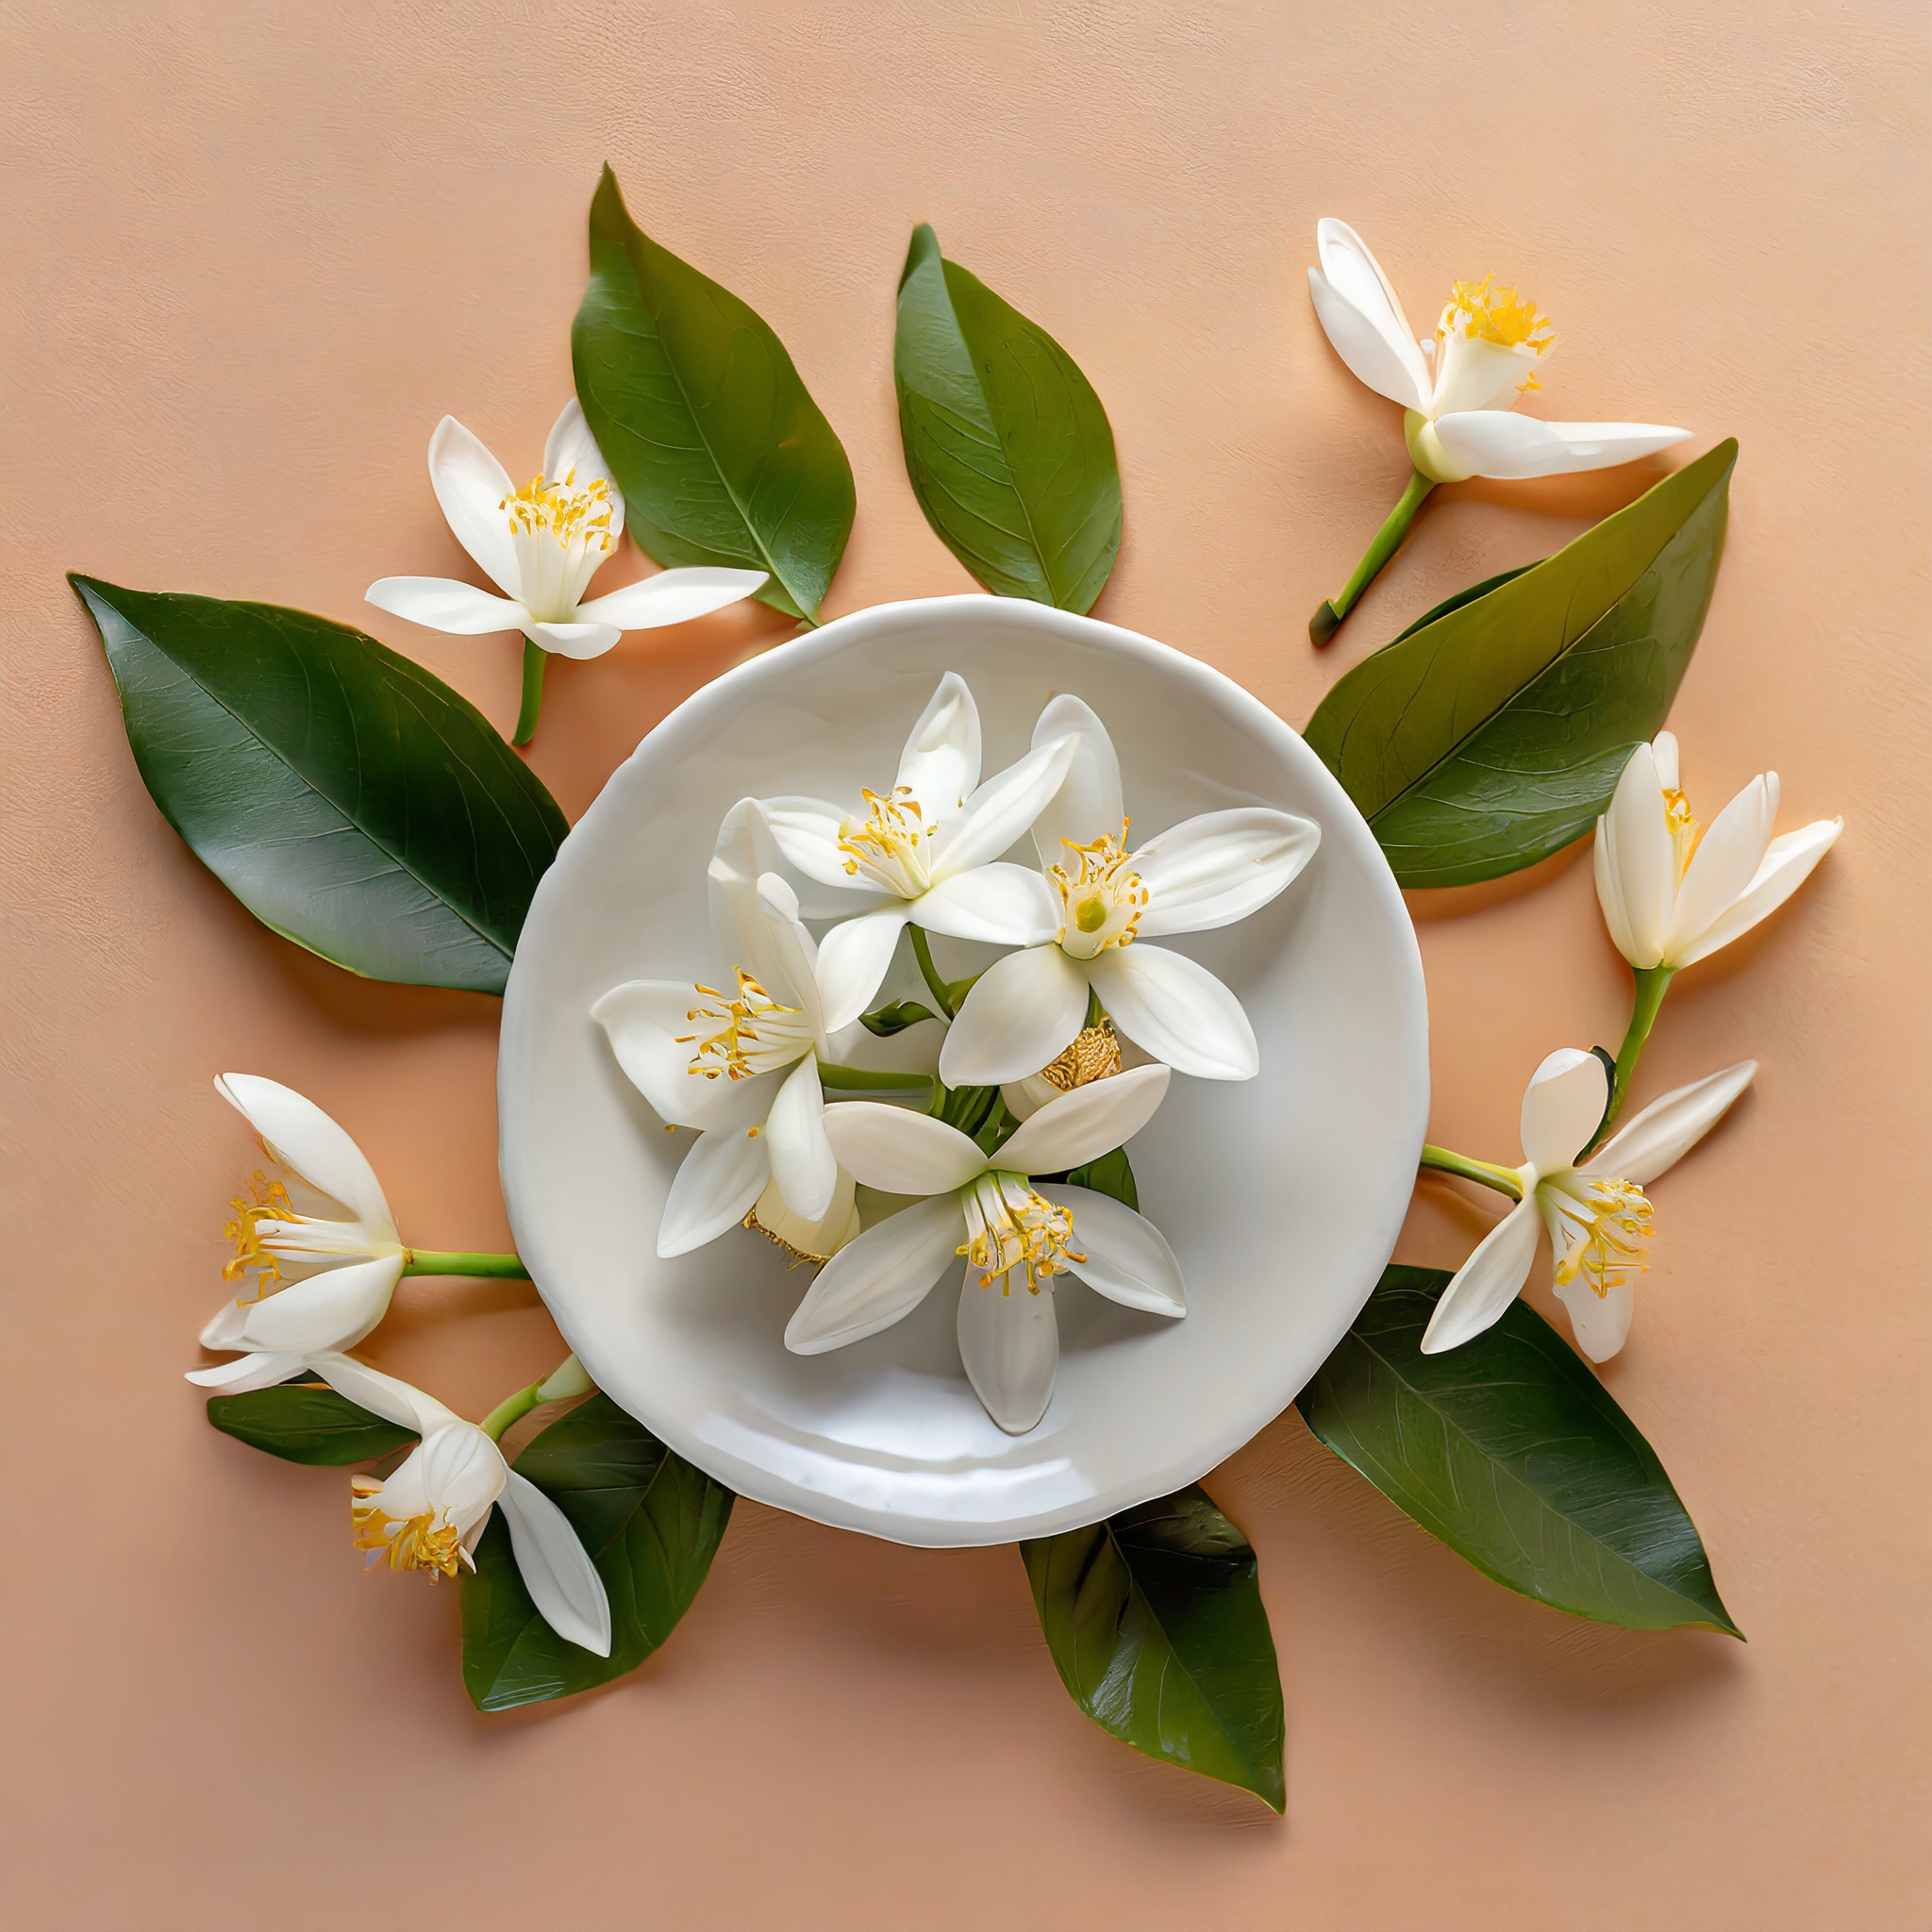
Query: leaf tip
924, 247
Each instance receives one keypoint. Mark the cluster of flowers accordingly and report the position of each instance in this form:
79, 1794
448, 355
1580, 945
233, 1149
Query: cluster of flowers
1030, 1059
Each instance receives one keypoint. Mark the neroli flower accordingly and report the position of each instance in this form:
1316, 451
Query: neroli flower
920, 852
280, 1318
1672, 893
428, 1512
738, 1059
540, 545
1086, 917
1018, 1236
1459, 388
1594, 1209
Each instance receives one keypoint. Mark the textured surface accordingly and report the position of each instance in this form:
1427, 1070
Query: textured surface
255, 251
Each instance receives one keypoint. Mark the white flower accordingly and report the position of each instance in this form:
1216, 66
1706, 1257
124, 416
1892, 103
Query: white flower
282, 1321
920, 852
740, 1061
1092, 906
540, 545
1017, 1235
1672, 894
1460, 386
429, 1512
1595, 1211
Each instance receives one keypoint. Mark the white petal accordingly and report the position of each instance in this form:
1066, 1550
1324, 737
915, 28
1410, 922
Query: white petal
1009, 1343
1000, 810
223, 1331
746, 850
1787, 864
817, 1239
673, 596
940, 765
574, 640
555, 1567
1668, 1128
898, 1150
393, 1400
644, 1019
246, 1374
471, 485
1176, 1011
880, 1278
722, 1176
1610, 890
1128, 1259
443, 604
1083, 1124
1001, 905
1486, 1283
801, 1156
1642, 855
1020, 1015
1213, 870
1721, 870
1562, 1107
853, 960
334, 1309
1663, 751
571, 451
806, 831
1475, 377
1500, 444
1599, 1322
300, 1135
782, 954
1362, 315
1089, 801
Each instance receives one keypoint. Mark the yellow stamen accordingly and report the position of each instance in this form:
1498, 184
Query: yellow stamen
1602, 1235
737, 1049
1095, 1054
1101, 894
569, 513
1481, 313
1685, 830
411, 1542
1010, 1226
271, 1202
889, 844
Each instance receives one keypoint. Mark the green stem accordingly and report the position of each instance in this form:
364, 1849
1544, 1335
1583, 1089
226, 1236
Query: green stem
511, 1410
482, 1267
1647, 1001
534, 655
922, 951
869, 1080
1504, 1179
1327, 619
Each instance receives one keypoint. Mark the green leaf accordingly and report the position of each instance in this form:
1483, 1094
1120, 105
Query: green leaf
720, 453
1009, 451
1492, 734
652, 1524
1156, 1625
1512, 1451
1110, 1174
307, 1422
350, 800
895, 1017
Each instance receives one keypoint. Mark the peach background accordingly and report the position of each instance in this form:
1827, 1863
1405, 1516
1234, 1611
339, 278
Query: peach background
254, 251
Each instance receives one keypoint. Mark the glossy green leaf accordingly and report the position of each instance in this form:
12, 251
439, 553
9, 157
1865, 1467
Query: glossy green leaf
307, 1422
720, 453
1494, 734
652, 1524
895, 1017
350, 800
1155, 1625
1010, 453
1112, 1174
1512, 1451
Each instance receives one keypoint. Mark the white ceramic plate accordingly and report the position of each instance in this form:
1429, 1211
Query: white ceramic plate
1282, 1197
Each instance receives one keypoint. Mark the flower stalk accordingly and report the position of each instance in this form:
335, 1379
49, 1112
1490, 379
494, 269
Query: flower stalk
1653, 982
1505, 1180
534, 656
935, 982
451, 1262
1327, 617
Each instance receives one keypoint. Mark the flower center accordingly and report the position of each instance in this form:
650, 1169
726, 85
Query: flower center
754, 1033
1481, 313
888, 846
1101, 896
1095, 1054
1685, 830
252, 1254
403, 1543
1601, 1232
1010, 1226
565, 511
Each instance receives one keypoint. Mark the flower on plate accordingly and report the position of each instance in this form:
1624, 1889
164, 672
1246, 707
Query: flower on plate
540, 545
1595, 1211
1459, 387
279, 1319
1084, 917
1017, 1235
1672, 893
428, 1512
738, 1061
921, 853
